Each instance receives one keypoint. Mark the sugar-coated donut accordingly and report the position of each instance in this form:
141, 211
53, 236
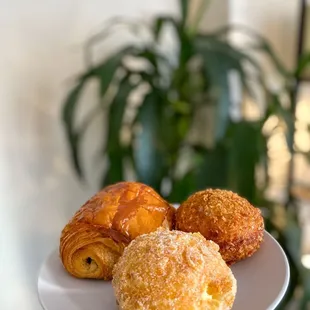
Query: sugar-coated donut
173, 270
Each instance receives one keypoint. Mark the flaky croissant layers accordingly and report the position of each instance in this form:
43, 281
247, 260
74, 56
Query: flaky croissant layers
92, 242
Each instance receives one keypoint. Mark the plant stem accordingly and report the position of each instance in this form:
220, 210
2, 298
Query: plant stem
294, 98
291, 133
198, 17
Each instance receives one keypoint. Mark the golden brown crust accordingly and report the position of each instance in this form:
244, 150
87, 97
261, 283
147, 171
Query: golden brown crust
226, 218
92, 242
173, 270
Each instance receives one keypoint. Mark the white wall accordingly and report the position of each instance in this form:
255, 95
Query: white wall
40, 52
216, 15
41, 45
276, 20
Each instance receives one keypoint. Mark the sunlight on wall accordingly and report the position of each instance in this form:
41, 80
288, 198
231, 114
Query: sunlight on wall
305, 260
302, 136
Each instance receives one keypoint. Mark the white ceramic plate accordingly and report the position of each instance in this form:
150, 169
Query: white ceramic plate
262, 281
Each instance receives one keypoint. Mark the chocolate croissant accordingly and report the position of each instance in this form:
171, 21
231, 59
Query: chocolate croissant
92, 242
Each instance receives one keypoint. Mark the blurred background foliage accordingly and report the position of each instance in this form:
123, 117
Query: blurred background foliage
191, 126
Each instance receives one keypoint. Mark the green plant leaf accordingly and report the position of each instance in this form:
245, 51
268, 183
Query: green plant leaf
105, 73
115, 171
303, 65
182, 188
234, 58
181, 107
114, 150
290, 239
184, 41
181, 73
262, 150
152, 57
305, 300
292, 233
160, 23
216, 72
106, 70
133, 27
219, 59
213, 168
265, 47
238, 59
172, 129
306, 155
193, 28
184, 10
151, 73
275, 107
116, 113
149, 160
186, 48
261, 44
68, 115
243, 158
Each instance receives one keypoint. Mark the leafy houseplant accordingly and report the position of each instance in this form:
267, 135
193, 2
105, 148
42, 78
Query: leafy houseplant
160, 129
164, 145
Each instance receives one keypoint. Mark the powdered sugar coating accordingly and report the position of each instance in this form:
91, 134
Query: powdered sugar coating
173, 270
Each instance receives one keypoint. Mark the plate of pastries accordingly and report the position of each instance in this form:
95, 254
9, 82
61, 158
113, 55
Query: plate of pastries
128, 248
